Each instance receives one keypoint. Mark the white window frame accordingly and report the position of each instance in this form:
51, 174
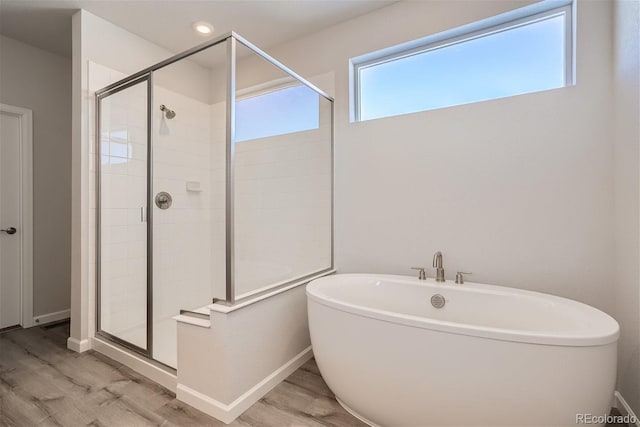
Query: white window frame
496, 24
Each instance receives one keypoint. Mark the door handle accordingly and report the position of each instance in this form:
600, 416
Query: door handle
10, 230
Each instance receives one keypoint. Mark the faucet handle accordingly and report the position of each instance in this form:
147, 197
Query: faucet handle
421, 275
460, 277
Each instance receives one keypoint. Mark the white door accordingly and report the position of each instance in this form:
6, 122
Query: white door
10, 239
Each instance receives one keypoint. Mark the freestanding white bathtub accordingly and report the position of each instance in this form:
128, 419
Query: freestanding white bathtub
492, 356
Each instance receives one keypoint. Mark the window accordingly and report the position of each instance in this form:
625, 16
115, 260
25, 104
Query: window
523, 51
277, 112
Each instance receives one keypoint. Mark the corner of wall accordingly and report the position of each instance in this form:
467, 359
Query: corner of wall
78, 287
626, 146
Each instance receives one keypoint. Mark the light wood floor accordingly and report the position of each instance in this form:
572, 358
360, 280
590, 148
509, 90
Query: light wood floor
44, 384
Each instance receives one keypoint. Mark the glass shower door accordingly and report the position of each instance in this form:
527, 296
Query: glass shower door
123, 280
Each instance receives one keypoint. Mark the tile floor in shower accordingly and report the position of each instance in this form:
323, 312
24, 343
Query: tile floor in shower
44, 384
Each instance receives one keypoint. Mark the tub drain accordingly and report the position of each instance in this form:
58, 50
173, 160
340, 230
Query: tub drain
437, 301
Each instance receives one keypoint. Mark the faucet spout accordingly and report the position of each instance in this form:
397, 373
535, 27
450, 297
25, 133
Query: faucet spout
437, 264
437, 260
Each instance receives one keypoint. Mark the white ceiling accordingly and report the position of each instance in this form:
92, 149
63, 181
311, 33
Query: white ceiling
168, 23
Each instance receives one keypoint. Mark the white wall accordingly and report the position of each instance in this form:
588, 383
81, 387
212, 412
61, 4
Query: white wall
626, 114
515, 190
41, 81
219, 373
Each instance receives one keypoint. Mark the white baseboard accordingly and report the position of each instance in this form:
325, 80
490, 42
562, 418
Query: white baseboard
138, 363
51, 317
79, 346
204, 403
228, 413
624, 407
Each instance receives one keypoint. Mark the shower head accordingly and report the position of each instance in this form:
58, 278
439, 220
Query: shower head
169, 114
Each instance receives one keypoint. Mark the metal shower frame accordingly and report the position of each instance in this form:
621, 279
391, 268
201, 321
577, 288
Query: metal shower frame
231, 40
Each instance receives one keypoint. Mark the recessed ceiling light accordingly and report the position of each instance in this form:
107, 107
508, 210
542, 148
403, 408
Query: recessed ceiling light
203, 28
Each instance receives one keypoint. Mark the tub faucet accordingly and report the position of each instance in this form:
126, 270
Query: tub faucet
437, 264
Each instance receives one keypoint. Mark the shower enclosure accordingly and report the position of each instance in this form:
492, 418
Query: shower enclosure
214, 184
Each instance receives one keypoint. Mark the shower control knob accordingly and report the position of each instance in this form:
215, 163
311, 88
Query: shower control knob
10, 230
163, 200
